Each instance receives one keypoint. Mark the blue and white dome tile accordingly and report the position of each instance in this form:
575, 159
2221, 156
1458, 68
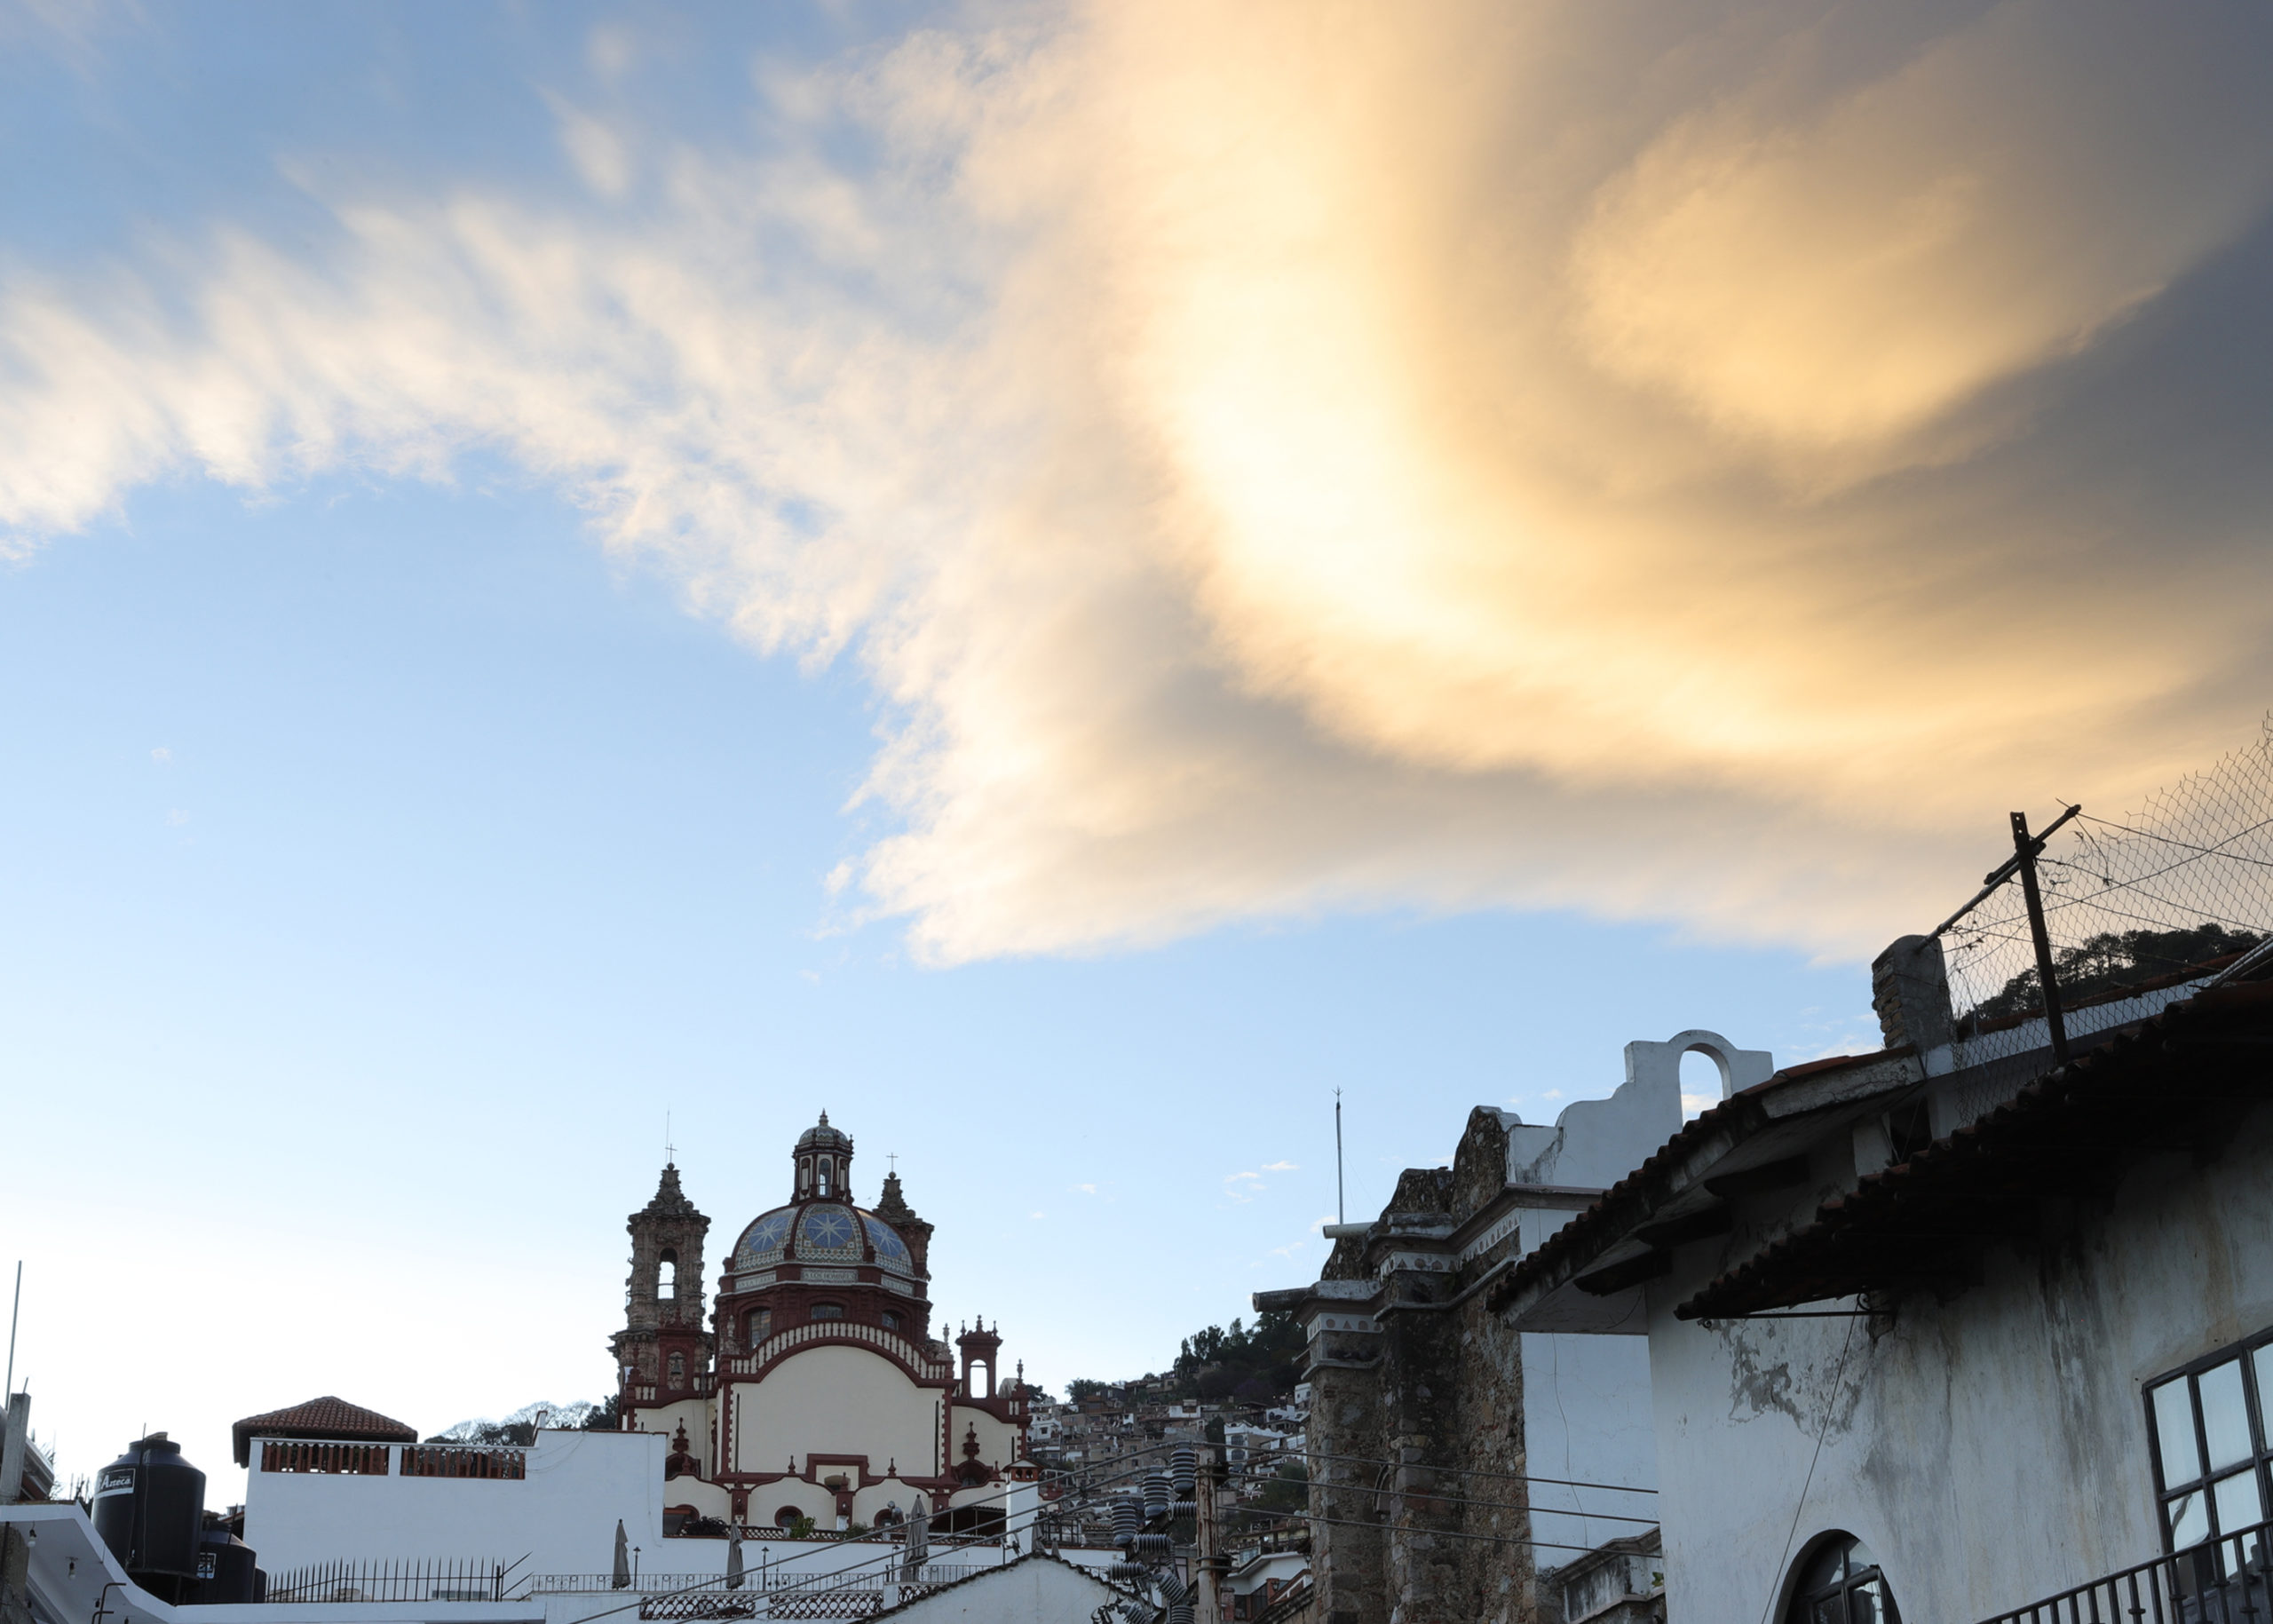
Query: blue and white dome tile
890, 1248
828, 1231
763, 1241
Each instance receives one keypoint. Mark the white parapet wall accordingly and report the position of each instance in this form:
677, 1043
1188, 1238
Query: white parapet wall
557, 1516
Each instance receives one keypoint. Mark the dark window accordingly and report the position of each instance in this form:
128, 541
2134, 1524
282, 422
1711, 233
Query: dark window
890, 1319
1840, 1583
2207, 1423
828, 1310
761, 1321
786, 1516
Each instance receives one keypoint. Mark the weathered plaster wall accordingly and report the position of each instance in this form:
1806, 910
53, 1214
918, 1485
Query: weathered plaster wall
1990, 1450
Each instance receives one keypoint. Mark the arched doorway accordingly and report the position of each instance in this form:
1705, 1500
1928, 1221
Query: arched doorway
1840, 1583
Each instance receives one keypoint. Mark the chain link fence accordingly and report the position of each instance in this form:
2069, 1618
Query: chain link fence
2136, 909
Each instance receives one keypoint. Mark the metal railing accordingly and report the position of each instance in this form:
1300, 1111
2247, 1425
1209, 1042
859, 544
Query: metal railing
400, 1581
2222, 1582
755, 1580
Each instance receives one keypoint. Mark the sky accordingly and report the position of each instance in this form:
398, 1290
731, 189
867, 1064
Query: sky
1060, 581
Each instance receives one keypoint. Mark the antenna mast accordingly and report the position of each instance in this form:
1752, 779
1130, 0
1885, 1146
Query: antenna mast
15, 1309
1340, 1215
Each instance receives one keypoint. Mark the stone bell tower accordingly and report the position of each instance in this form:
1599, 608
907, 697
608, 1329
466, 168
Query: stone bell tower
663, 1349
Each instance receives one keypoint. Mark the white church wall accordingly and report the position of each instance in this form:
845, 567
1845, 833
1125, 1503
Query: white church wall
998, 1441
835, 1400
561, 1516
695, 1415
1030, 1591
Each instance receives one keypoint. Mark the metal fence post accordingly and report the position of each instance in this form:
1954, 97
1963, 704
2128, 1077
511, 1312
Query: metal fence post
2024, 849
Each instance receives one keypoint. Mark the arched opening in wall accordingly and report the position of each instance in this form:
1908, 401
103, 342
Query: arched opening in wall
787, 1516
821, 1181
667, 1275
1700, 1083
1839, 1582
978, 1382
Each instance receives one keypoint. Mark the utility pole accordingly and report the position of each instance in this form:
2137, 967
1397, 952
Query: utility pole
1211, 1566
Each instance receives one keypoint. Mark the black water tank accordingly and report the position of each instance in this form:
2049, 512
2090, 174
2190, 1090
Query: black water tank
225, 1569
150, 1509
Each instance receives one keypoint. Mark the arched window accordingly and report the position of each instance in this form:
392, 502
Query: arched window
761, 1325
826, 1167
667, 1275
787, 1516
679, 1370
1840, 1583
828, 1310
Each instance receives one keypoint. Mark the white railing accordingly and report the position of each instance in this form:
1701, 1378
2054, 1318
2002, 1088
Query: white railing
840, 1330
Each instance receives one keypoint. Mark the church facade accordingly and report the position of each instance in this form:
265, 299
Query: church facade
814, 1388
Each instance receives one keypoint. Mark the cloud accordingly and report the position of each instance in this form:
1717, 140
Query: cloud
1266, 469
1279, 1166
161, 756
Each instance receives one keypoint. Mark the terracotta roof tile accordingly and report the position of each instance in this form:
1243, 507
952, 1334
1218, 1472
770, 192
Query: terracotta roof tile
328, 1418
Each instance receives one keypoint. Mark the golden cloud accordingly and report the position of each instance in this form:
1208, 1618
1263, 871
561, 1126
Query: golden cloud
1699, 464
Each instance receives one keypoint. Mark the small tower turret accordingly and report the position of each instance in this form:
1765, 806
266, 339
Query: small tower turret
892, 1207
980, 1348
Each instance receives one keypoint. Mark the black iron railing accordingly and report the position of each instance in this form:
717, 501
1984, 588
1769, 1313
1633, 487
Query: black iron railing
400, 1581
2222, 1582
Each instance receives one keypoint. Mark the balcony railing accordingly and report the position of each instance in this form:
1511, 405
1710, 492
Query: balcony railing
464, 1461
298, 1455
400, 1581
841, 1330
2223, 1582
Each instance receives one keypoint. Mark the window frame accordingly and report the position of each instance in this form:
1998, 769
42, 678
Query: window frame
1804, 1603
825, 1313
2207, 1478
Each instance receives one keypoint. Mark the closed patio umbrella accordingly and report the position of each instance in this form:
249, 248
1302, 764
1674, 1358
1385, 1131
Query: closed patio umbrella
734, 1558
621, 1579
919, 1539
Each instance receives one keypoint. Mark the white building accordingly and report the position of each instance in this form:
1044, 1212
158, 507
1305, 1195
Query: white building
1938, 1337
816, 1389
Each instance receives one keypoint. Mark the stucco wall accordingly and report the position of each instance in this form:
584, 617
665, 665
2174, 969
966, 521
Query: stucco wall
1037, 1590
562, 1516
1990, 1450
838, 1400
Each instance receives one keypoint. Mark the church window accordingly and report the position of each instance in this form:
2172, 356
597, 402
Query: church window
785, 1516
761, 1323
679, 1370
826, 1169
891, 1320
1840, 1583
828, 1310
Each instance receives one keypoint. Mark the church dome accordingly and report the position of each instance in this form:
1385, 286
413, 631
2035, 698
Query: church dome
820, 1232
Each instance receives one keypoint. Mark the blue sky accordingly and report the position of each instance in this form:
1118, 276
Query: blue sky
1061, 584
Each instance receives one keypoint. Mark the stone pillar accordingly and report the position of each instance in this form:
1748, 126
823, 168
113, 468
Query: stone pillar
1910, 990
1346, 1544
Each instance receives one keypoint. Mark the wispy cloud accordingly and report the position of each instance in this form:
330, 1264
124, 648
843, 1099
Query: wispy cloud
1265, 469
1279, 1166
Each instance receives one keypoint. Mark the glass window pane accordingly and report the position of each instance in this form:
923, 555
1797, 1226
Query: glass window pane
1858, 1557
1866, 1602
2239, 1506
2189, 1517
2225, 1416
1828, 1568
2175, 1432
1831, 1610
2264, 1358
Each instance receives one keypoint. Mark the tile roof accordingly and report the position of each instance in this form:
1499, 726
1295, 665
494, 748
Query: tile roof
2071, 1131
327, 1418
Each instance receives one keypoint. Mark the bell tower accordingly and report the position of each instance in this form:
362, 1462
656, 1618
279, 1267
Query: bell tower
662, 1349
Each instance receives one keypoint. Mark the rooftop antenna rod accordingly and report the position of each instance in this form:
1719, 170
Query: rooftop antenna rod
14, 1310
1340, 1215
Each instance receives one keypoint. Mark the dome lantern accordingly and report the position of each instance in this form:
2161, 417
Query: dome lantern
823, 1163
